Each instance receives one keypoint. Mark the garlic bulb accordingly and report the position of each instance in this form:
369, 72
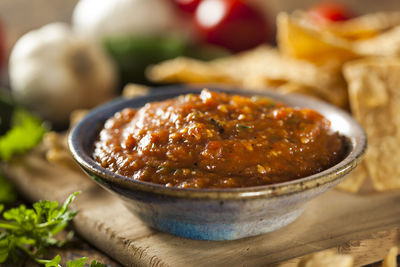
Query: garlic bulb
53, 72
97, 19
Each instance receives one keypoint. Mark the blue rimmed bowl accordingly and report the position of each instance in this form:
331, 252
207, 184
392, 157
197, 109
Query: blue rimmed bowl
216, 214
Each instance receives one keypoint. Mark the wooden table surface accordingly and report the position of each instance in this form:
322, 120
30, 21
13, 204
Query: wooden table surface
365, 226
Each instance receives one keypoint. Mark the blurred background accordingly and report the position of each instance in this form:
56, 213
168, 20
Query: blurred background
21, 16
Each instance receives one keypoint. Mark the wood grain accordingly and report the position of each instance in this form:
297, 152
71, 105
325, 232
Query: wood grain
365, 226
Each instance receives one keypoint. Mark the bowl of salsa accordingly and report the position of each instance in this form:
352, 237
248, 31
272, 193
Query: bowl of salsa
217, 164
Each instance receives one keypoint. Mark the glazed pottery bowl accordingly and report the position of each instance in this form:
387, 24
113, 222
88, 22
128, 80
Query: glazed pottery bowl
216, 214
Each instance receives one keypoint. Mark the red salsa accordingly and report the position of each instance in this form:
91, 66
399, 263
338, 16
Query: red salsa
217, 140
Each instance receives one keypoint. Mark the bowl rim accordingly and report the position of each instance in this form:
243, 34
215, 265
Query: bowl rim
335, 173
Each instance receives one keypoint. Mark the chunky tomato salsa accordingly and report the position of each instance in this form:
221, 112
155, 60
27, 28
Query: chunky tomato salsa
217, 140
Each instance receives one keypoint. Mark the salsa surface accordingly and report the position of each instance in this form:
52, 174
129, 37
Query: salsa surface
216, 140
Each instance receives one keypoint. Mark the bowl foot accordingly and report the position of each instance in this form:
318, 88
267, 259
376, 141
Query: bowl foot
221, 230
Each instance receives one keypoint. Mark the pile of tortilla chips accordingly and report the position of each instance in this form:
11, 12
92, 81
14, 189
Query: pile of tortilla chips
331, 259
333, 62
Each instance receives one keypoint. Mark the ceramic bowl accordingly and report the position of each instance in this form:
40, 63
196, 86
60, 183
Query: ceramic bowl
216, 214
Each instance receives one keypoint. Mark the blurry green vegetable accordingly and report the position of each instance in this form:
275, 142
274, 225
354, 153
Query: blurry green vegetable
19, 129
26, 131
133, 54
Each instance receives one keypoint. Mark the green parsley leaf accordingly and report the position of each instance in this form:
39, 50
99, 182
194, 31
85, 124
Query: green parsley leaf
96, 264
26, 132
82, 261
77, 263
4, 248
31, 231
55, 262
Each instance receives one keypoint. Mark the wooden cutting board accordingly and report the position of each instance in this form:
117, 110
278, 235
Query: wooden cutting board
365, 226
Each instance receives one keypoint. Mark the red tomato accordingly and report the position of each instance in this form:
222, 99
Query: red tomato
188, 6
326, 12
233, 24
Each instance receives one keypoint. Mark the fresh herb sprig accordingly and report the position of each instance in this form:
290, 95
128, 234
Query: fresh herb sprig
31, 231
55, 262
23, 230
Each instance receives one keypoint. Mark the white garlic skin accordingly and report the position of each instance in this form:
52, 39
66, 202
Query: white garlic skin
53, 72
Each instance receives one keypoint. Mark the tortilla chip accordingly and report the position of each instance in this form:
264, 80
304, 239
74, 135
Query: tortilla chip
229, 70
366, 26
326, 259
385, 44
321, 47
353, 182
262, 67
375, 102
134, 90
187, 70
390, 259
57, 152
375, 34
269, 63
259, 82
264, 63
